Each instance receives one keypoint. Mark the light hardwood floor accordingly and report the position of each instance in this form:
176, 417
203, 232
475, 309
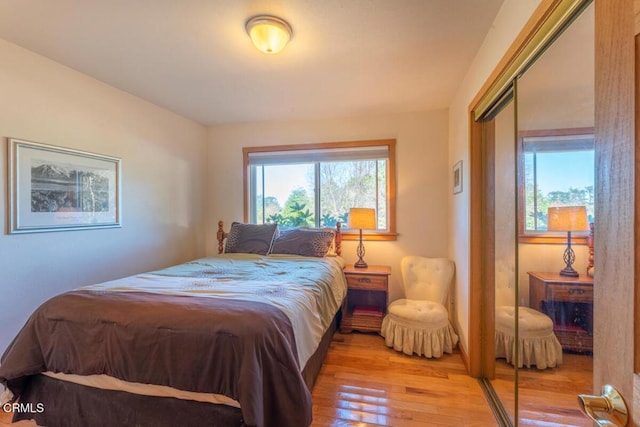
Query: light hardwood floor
5, 421
364, 383
548, 397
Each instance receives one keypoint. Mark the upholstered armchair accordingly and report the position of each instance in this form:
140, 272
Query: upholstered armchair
537, 343
419, 323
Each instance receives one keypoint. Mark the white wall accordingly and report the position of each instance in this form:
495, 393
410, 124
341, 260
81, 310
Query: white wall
421, 175
163, 183
508, 23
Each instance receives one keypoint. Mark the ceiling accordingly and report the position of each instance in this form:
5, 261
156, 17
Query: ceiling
193, 57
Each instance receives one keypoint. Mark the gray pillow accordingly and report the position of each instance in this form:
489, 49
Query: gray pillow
304, 242
250, 238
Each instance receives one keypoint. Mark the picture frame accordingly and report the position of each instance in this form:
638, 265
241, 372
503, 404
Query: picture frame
59, 189
457, 177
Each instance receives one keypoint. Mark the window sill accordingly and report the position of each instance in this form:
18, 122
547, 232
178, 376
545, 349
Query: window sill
387, 236
552, 240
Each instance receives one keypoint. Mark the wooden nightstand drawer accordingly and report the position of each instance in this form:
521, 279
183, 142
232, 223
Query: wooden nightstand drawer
570, 293
574, 339
365, 304
370, 282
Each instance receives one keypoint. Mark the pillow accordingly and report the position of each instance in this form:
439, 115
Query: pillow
304, 242
332, 247
250, 238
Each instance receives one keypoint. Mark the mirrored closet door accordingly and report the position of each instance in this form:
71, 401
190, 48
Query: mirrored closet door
555, 190
499, 131
538, 150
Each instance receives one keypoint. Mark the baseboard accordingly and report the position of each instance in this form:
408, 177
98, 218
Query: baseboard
463, 351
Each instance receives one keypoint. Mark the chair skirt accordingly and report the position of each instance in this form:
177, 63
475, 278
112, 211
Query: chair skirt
420, 327
537, 344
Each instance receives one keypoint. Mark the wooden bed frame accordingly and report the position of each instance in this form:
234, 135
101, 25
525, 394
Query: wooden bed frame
221, 235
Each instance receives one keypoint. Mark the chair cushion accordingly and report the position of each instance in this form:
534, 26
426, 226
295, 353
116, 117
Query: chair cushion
421, 314
418, 327
531, 322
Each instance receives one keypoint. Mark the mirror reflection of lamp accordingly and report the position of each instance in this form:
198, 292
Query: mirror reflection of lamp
568, 218
362, 219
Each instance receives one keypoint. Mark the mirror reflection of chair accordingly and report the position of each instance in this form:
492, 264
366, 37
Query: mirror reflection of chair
419, 323
537, 343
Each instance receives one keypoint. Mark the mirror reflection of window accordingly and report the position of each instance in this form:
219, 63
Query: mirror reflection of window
557, 169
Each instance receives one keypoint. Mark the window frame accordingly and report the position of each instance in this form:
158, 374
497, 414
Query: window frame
347, 234
544, 237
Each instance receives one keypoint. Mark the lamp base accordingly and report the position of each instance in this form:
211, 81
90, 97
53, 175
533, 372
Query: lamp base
360, 264
569, 272
360, 252
569, 258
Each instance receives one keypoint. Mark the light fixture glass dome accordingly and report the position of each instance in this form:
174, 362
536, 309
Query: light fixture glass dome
269, 34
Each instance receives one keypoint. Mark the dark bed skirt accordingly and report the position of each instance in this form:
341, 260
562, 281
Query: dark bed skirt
69, 404
72, 405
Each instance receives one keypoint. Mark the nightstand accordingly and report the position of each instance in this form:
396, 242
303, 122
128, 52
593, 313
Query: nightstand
569, 303
366, 302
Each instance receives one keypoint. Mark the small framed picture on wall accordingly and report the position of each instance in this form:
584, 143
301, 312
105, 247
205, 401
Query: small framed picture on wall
457, 178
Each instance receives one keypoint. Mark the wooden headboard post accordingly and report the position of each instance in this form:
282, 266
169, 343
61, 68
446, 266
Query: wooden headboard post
221, 235
338, 239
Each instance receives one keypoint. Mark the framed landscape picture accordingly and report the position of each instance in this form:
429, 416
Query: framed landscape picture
457, 178
55, 189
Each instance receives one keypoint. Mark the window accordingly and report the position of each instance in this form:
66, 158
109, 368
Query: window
556, 169
315, 184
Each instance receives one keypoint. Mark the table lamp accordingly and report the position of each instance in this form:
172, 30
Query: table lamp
568, 218
362, 219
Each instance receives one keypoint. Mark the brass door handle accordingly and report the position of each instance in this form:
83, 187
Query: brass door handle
610, 402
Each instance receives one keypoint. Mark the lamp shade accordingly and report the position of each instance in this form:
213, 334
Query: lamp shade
567, 218
269, 34
362, 218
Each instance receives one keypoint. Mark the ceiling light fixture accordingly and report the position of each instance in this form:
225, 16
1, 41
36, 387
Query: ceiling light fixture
269, 34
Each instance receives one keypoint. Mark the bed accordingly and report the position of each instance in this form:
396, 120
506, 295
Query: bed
233, 339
